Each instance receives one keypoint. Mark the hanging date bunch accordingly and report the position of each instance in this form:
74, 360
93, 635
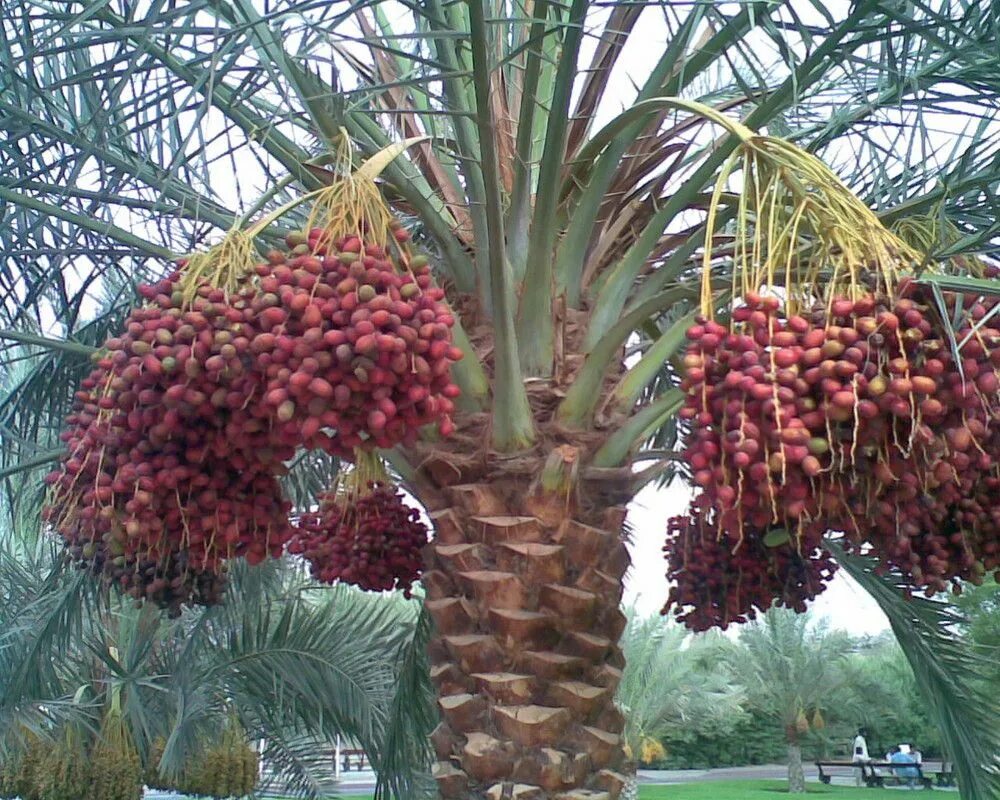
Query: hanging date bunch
363, 533
167, 474
227, 768
114, 761
355, 344
834, 399
178, 437
719, 579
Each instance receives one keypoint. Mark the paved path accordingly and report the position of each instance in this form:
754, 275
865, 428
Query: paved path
761, 772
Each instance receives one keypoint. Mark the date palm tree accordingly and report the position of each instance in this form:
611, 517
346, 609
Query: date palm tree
791, 669
669, 685
562, 193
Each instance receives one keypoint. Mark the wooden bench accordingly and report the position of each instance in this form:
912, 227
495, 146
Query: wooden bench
940, 771
355, 757
943, 775
875, 774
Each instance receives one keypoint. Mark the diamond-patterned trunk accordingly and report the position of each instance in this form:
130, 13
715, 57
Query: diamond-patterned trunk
525, 657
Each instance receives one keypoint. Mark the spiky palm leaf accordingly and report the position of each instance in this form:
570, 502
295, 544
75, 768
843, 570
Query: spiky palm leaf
297, 668
952, 677
665, 689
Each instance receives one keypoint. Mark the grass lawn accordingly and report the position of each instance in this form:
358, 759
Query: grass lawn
741, 790
753, 790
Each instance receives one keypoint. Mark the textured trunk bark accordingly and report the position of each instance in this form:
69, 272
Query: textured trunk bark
631, 788
796, 777
525, 598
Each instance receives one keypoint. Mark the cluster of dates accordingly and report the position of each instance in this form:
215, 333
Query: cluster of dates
372, 540
855, 418
178, 437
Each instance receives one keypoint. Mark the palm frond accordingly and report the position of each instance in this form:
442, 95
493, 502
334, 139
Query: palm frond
405, 754
666, 691
299, 764
298, 665
948, 672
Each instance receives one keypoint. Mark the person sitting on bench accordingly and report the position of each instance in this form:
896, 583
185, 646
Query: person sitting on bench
909, 774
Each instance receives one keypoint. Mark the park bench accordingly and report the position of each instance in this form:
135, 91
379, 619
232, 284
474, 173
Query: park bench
882, 773
355, 759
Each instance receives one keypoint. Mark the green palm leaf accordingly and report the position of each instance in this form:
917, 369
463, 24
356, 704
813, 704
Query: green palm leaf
298, 666
665, 691
948, 673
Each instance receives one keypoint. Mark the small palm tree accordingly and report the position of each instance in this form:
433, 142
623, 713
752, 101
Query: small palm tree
666, 687
297, 670
568, 246
791, 669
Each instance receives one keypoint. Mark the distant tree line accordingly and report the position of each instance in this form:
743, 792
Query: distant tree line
710, 700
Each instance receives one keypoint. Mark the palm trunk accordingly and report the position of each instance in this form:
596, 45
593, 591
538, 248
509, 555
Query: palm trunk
631, 788
796, 776
525, 593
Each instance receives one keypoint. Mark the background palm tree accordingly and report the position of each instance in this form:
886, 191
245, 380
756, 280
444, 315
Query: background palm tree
566, 231
666, 690
296, 668
792, 669
876, 687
